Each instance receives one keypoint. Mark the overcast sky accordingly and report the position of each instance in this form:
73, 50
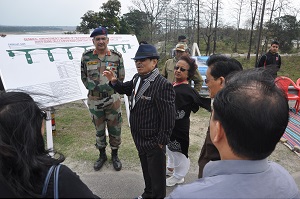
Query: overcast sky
68, 12
49, 12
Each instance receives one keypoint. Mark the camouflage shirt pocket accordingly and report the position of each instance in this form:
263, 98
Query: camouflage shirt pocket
93, 72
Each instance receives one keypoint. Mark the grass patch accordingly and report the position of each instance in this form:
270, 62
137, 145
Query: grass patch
290, 66
75, 133
75, 136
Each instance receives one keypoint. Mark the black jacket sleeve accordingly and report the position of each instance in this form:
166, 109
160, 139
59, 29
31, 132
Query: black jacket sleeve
124, 87
261, 61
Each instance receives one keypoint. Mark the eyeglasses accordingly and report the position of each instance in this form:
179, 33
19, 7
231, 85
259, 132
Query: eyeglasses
100, 38
141, 60
181, 69
207, 80
44, 115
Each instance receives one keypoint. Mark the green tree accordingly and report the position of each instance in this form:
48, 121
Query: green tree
125, 27
90, 20
284, 29
109, 18
138, 21
111, 15
112, 8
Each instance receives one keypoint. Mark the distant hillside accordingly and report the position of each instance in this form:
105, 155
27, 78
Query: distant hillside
25, 29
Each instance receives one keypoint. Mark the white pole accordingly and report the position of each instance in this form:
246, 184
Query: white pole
195, 49
49, 130
127, 108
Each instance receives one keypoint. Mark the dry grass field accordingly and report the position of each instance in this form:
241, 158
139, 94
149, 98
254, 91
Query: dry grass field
75, 138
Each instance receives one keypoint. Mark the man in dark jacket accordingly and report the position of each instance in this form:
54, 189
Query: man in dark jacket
271, 59
152, 117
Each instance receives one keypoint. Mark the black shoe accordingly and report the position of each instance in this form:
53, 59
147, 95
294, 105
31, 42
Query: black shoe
99, 163
116, 163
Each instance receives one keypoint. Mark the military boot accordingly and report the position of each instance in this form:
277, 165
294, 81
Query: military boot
102, 158
115, 160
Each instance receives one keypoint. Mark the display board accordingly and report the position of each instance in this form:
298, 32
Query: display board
49, 65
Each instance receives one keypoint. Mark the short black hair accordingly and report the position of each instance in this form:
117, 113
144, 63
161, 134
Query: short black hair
253, 111
221, 65
143, 42
215, 58
275, 42
181, 37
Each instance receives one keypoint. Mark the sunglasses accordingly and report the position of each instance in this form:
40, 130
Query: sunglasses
141, 60
181, 69
207, 80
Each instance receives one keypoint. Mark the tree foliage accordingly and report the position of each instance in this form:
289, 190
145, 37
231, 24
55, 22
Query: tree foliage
284, 29
125, 27
138, 22
112, 8
108, 17
164, 20
90, 20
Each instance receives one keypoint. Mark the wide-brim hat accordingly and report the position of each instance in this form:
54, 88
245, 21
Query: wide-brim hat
181, 47
146, 51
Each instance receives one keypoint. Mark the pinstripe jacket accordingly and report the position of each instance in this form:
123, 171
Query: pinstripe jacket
152, 117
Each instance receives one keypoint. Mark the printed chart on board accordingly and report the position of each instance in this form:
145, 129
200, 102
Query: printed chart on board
49, 65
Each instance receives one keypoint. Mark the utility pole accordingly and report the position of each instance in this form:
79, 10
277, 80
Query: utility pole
198, 23
216, 26
166, 39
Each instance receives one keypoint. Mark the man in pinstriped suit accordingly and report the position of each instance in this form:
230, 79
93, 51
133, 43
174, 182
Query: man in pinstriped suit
152, 117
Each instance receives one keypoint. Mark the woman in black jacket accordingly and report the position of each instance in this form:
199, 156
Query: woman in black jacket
187, 100
24, 161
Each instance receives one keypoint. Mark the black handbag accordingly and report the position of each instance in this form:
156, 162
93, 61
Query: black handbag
54, 168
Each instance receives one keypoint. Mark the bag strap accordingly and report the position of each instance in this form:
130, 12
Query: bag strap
47, 179
56, 172
55, 181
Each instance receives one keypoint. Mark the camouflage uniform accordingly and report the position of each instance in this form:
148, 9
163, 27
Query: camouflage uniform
104, 104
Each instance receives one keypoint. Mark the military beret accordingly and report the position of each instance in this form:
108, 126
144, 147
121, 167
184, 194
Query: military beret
99, 31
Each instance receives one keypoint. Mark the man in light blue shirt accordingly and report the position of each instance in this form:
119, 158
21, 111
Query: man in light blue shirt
249, 117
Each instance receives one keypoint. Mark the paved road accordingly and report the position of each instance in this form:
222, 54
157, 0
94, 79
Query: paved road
108, 183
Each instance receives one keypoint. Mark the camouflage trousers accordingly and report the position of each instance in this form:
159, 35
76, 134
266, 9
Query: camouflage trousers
106, 112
